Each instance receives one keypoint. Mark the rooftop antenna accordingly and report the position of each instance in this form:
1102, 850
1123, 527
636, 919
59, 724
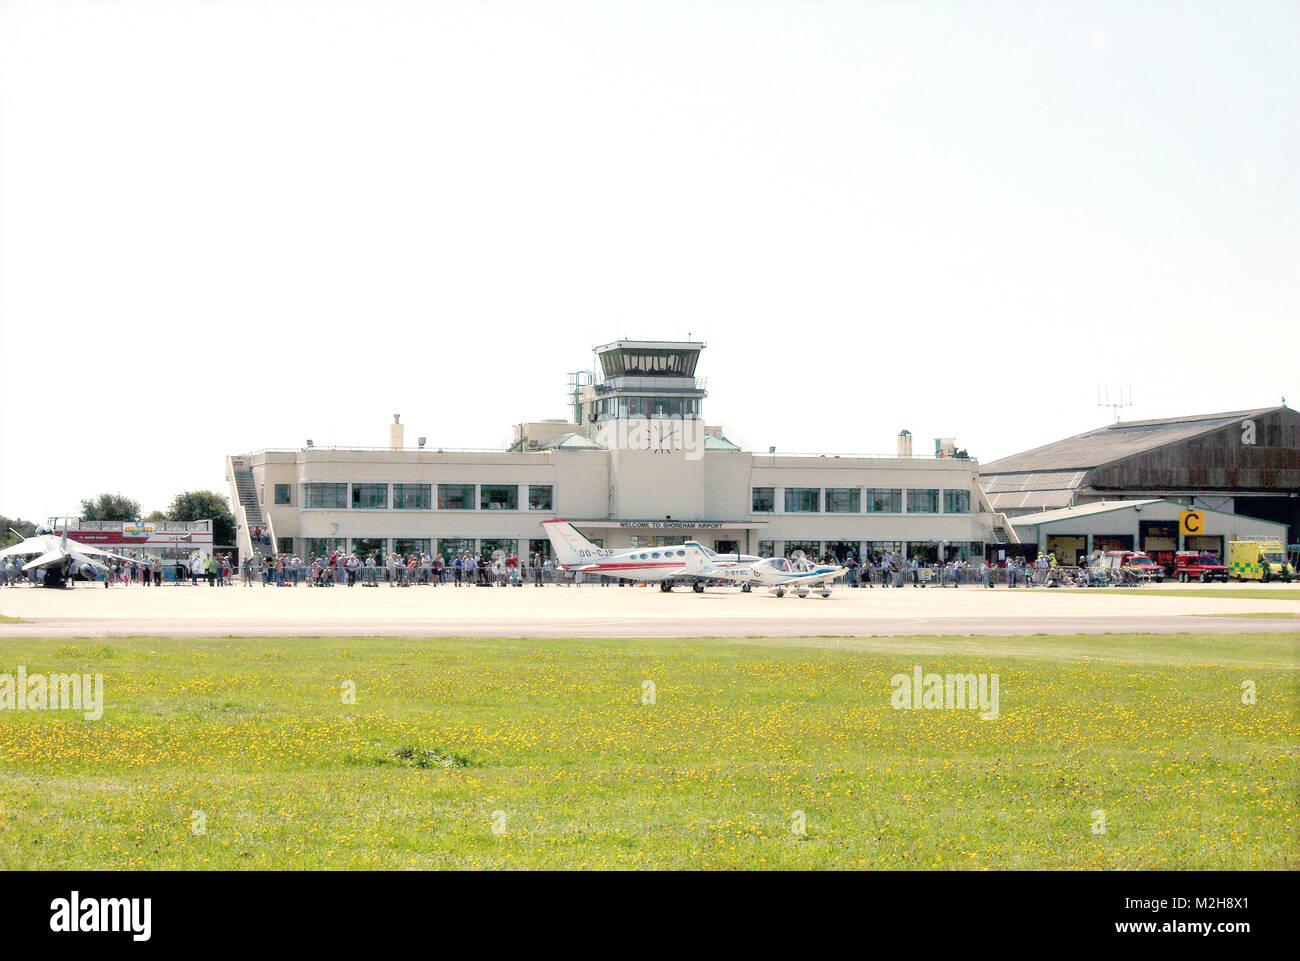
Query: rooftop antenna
1103, 400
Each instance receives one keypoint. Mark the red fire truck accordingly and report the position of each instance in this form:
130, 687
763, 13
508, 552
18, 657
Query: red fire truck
1198, 566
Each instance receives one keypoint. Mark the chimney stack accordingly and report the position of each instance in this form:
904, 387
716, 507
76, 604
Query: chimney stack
904, 443
396, 433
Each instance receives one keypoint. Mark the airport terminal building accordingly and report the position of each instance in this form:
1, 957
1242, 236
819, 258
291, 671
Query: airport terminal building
636, 465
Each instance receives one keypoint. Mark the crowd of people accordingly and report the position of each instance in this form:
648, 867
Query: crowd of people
891, 569
339, 568
136, 569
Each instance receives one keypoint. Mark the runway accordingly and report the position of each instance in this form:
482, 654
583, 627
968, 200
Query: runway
599, 611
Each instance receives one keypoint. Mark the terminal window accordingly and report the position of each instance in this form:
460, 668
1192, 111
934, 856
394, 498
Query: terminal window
370, 496
803, 500
453, 547
324, 546
412, 497
282, 493
504, 545
810, 549
764, 500
455, 497
325, 495
843, 500
885, 500
541, 497
956, 502
499, 497
923, 501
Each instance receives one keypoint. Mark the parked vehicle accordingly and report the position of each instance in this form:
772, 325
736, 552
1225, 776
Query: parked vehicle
1135, 562
1199, 566
1259, 561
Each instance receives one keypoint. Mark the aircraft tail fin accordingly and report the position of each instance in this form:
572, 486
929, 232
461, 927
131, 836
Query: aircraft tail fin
571, 548
696, 560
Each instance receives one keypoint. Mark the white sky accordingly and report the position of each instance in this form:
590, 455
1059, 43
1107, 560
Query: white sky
234, 225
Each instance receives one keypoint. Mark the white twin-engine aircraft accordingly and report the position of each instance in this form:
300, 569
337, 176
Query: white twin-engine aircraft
797, 574
62, 558
574, 552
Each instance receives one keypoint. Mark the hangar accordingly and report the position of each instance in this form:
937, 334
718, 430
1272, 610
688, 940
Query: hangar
634, 466
1240, 462
1154, 525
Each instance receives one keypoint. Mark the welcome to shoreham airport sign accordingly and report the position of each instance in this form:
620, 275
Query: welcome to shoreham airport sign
686, 525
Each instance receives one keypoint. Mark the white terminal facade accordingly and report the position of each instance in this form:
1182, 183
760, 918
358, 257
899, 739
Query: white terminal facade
636, 466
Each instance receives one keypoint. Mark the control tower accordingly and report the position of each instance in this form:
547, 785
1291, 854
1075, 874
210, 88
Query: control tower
644, 378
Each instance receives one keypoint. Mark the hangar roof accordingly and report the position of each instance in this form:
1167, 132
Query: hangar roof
1083, 510
1114, 442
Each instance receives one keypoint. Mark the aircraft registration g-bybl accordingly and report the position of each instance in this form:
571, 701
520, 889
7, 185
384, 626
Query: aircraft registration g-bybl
796, 574
663, 564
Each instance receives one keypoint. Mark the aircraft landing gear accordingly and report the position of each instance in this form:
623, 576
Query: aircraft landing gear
826, 593
698, 587
780, 592
666, 586
746, 588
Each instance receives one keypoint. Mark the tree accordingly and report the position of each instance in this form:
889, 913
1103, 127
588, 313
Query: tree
7, 536
110, 507
155, 516
200, 505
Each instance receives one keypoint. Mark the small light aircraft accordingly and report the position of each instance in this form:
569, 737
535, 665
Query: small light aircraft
797, 574
62, 558
574, 552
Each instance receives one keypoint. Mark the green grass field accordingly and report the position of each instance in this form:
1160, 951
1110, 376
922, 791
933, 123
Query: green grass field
550, 743
1239, 593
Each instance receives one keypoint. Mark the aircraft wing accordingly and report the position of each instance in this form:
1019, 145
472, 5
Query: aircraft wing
92, 555
32, 545
51, 557
737, 574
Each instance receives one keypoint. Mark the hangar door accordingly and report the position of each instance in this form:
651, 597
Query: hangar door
1068, 548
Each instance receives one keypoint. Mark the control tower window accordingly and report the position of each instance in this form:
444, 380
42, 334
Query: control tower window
648, 362
658, 407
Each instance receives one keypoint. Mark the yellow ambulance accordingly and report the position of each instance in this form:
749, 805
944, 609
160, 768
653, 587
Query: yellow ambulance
1258, 561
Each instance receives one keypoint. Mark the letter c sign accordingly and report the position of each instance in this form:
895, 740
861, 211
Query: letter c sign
1191, 522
